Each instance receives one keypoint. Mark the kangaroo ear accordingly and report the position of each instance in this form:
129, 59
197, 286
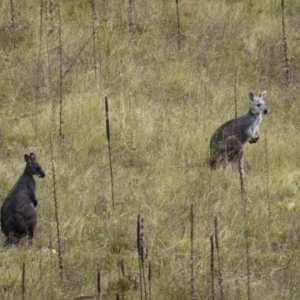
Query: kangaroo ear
251, 96
32, 157
27, 158
263, 95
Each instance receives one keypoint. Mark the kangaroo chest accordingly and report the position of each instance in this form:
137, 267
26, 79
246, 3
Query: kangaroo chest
254, 127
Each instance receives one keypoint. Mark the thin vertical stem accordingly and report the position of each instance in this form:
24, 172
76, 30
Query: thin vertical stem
121, 267
193, 292
98, 282
52, 122
235, 97
243, 196
23, 281
248, 263
220, 277
267, 175
60, 260
138, 242
60, 72
38, 69
12, 11
238, 144
178, 25
149, 278
109, 153
237, 139
130, 17
212, 267
143, 255
285, 46
94, 17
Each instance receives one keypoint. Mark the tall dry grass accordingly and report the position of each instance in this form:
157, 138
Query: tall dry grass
164, 105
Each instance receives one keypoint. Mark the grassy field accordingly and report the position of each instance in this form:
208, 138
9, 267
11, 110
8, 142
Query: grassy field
169, 85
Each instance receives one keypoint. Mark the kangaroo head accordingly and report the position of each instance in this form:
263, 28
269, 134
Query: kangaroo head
32, 166
258, 105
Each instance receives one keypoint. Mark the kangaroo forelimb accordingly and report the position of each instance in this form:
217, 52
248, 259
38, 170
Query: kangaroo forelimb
252, 141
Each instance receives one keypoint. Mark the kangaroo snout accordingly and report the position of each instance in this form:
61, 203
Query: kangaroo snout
265, 111
42, 175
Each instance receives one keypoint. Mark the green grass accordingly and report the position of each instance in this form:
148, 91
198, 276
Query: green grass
164, 104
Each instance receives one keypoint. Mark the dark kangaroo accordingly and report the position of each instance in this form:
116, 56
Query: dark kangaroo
18, 215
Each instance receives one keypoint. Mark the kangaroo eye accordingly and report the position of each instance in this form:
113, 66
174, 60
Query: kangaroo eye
258, 104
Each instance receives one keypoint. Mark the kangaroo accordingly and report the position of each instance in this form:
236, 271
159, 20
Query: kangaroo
18, 215
226, 144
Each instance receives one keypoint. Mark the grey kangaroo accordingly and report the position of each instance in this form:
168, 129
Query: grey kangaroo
18, 215
226, 144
